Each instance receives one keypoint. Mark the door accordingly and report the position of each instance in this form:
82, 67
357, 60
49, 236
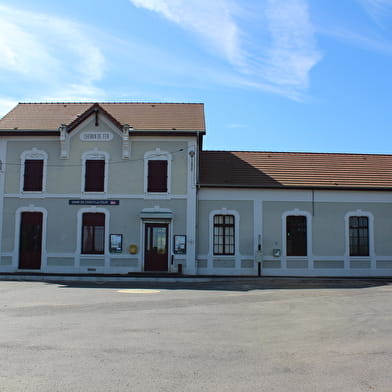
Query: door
156, 247
30, 244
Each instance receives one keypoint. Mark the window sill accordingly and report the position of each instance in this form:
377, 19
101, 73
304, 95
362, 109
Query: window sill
157, 195
94, 194
40, 194
90, 255
225, 256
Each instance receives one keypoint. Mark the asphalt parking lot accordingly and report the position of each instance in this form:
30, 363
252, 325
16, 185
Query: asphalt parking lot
310, 335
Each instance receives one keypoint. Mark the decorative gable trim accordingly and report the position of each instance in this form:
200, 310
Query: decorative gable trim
96, 110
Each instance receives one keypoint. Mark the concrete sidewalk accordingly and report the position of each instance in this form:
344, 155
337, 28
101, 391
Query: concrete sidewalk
239, 283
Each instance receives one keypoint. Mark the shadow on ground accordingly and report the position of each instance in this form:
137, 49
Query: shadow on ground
234, 284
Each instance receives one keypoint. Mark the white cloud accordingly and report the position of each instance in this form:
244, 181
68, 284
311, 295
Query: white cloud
292, 53
6, 104
363, 42
212, 20
79, 92
377, 9
236, 126
273, 50
38, 47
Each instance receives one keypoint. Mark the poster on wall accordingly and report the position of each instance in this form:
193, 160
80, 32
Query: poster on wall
116, 243
180, 244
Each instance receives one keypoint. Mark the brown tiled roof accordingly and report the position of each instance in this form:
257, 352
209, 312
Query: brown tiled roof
140, 116
295, 170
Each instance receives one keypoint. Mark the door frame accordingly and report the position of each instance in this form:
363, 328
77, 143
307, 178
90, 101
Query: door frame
143, 241
18, 221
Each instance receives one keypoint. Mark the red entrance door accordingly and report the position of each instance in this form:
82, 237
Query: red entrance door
30, 244
156, 247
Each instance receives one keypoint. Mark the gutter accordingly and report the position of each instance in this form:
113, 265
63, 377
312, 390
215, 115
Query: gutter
294, 187
28, 133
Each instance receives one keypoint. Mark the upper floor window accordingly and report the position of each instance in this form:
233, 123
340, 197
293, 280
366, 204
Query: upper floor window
33, 171
157, 176
95, 171
359, 235
296, 235
33, 175
95, 176
157, 166
223, 235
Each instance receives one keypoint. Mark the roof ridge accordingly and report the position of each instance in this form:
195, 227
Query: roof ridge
108, 102
300, 152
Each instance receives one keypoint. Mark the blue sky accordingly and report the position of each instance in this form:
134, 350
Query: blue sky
275, 75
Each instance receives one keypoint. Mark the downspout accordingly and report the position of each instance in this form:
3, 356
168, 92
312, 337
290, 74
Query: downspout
197, 166
312, 202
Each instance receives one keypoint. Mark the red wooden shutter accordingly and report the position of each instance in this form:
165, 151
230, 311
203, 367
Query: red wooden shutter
157, 176
95, 176
33, 173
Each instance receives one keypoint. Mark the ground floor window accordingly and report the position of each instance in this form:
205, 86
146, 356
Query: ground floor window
359, 235
296, 235
223, 238
93, 233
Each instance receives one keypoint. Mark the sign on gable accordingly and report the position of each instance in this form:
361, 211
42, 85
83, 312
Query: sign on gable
96, 136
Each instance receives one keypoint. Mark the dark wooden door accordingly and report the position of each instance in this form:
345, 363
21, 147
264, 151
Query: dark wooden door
156, 247
30, 244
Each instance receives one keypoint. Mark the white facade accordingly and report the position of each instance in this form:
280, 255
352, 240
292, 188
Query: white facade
260, 217
101, 197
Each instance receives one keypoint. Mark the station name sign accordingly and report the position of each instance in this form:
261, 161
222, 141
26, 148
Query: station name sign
94, 202
96, 136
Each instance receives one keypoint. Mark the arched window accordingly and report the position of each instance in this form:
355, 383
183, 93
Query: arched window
93, 233
223, 235
359, 233
224, 232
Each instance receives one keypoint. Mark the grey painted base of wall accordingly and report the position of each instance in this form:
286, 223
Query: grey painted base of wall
217, 266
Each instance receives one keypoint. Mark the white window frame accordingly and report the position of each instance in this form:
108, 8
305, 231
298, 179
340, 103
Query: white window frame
224, 211
370, 217
157, 155
33, 154
99, 156
308, 216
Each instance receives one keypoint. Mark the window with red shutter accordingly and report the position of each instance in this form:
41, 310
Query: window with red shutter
157, 176
95, 176
33, 175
